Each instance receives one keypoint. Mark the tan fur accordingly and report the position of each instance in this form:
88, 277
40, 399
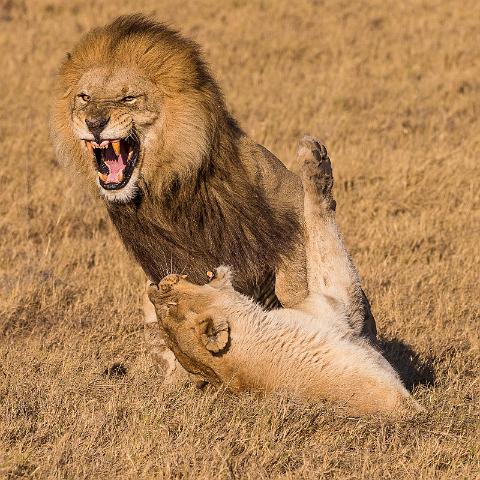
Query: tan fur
312, 353
202, 193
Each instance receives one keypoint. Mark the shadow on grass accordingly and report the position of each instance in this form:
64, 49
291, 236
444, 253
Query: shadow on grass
412, 369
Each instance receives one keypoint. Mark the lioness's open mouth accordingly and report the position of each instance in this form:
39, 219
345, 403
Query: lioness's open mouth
115, 161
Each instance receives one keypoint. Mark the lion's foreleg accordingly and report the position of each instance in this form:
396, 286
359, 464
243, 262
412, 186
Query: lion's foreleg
330, 270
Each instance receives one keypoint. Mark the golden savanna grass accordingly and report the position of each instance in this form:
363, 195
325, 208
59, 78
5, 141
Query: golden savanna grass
393, 89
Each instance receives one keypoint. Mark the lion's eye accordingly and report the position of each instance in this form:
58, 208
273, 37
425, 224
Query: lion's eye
129, 99
84, 97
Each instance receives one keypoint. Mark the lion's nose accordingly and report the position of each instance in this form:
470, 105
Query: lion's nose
96, 125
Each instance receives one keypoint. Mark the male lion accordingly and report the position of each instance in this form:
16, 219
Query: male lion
138, 115
221, 336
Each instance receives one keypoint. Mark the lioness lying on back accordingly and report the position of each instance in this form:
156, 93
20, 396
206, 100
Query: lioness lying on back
311, 352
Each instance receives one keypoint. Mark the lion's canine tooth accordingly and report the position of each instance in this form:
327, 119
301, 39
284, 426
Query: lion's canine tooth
116, 147
130, 153
102, 176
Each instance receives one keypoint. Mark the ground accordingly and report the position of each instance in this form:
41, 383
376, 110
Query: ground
393, 90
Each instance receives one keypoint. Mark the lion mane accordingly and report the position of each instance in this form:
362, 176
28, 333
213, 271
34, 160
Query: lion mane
196, 169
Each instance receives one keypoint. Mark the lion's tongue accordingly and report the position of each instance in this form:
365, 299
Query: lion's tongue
116, 165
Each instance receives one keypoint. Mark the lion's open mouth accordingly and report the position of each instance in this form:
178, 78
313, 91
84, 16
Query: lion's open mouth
115, 161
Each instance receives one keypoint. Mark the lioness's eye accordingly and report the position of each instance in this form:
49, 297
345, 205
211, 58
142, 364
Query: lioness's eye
84, 97
129, 99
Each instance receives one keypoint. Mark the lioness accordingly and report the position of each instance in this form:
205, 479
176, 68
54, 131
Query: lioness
222, 336
139, 116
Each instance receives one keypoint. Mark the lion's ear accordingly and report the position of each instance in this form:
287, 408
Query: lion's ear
214, 332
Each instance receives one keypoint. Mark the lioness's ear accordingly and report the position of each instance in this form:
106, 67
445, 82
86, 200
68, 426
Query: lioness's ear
214, 332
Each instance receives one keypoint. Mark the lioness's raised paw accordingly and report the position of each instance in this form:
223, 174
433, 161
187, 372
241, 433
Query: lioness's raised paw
317, 169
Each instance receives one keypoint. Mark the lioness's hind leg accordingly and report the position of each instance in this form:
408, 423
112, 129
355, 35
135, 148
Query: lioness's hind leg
317, 174
330, 270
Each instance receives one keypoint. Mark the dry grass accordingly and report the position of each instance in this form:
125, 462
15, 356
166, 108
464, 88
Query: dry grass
393, 89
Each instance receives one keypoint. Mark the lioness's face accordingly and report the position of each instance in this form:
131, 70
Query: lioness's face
113, 110
191, 317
